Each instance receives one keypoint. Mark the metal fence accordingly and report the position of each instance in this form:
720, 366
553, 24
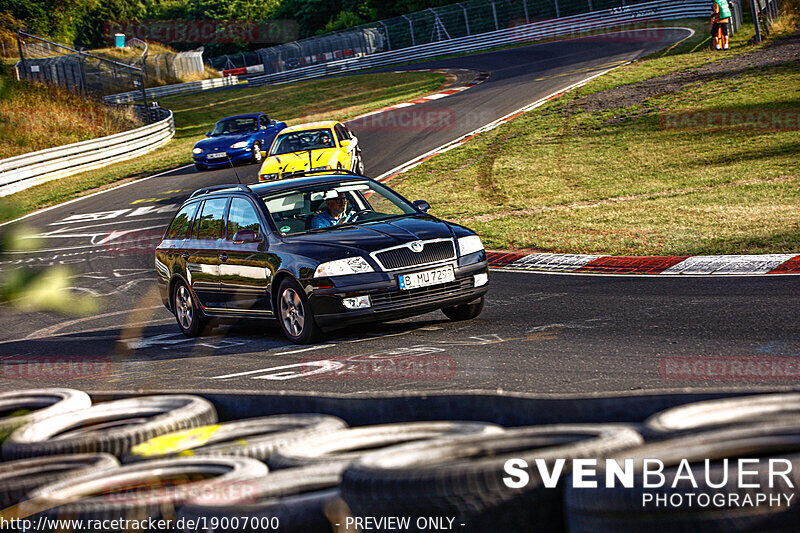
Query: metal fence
468, 19
75, 70
170, 90
575, 25
20, 172
765, 12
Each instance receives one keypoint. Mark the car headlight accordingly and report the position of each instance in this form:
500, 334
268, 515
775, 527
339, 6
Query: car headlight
197, 150
469, 245
240, 144
342, 267
267, 177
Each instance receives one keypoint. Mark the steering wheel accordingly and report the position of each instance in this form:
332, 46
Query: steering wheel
356, 216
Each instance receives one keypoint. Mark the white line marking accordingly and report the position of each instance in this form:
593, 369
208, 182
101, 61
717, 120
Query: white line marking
40, 211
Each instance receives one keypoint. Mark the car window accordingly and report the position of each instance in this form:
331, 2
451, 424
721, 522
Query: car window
366, 202
299, 141
242, 215
341, 133
181, 223
265, 123
211, 222
234, 125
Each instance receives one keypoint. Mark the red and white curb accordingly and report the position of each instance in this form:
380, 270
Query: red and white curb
740, 265
481, 77
408, 165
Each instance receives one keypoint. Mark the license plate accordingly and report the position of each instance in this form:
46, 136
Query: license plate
428, 277
217, 155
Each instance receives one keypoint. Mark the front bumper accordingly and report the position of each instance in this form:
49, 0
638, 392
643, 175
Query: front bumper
235, 156
389, 302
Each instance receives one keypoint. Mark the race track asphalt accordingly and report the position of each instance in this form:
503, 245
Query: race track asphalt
539, 332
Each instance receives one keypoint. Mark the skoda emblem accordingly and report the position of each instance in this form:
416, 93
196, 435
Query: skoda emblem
416, 246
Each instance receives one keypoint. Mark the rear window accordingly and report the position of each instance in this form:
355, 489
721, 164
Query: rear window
182, 222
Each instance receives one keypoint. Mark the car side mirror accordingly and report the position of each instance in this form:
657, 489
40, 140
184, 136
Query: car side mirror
245, 236
422, 205
208, 134
263, 153
345, 142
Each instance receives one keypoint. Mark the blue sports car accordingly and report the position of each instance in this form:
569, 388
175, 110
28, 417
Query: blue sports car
236, 139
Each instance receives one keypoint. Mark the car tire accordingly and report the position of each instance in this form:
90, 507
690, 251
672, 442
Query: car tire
717, 414
299, 500
295, 315
253, 437
621, 509
146, 492
461, 477
32, 405
468, 311
112, 427
18, 478
347, 445
200, 167
257, 153
187, 313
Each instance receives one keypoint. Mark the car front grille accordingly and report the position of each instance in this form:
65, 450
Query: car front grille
398, 299
403, 257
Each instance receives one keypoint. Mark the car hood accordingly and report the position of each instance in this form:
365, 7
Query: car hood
372, 236
298, 161
221, 141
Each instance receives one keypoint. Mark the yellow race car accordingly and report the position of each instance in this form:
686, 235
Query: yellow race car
298, 149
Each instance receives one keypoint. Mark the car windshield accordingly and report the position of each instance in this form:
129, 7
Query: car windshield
300, 141
332, 205
235, 125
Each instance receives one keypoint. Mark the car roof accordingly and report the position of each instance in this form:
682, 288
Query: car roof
262, 189
310, 126
244, 115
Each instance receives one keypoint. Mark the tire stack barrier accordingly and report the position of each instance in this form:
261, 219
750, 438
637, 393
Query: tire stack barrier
287, 463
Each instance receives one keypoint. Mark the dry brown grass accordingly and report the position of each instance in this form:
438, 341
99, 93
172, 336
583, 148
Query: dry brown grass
34, 116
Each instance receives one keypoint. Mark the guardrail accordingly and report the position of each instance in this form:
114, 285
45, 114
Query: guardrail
170, 90
576, 25
24, 171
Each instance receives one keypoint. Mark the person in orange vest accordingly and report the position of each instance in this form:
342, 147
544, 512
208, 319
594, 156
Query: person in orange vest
720, 19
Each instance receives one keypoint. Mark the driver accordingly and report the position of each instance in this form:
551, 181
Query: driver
325, 139
334, 212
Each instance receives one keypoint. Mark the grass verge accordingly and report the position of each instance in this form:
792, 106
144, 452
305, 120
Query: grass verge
34, 116
195, 114
599, 170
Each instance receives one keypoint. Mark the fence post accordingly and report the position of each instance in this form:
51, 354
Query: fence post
494, 14
558, 13
755, 20
525, 6
411, 26
386, 30
21, 55
466, 17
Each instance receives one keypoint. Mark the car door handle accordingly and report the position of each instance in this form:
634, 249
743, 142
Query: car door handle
223, 257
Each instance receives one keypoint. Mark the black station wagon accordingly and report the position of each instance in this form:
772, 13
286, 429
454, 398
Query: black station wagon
316, 253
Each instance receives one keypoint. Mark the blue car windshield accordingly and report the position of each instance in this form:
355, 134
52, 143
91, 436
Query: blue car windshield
232, 126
